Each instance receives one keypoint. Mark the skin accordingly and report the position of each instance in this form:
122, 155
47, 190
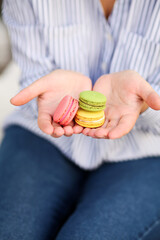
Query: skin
49, 91
107, 6
128, 95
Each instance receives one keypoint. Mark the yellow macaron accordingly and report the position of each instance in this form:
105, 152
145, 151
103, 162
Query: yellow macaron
89, 119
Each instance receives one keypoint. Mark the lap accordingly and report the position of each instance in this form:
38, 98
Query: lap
119, 201
39, 187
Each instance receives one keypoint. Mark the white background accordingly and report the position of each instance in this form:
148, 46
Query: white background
8, 77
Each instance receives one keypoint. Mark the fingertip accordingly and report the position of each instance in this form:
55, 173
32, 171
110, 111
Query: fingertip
58, 131
68, 131
100, 133
86, 131
91, 132
155, 101
117, 133
46, 128
18, 100
49, 130
77, 129
13, 102
111, 135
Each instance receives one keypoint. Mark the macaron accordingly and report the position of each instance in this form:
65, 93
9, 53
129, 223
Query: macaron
89, 119
66, 110
92, 101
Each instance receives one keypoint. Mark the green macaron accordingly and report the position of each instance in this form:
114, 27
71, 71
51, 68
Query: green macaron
92, 101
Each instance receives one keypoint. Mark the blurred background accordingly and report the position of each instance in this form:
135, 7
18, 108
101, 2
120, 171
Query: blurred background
9, 74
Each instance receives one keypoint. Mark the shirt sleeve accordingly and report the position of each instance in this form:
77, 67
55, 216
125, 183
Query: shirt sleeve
46, 35
138, 49
31, 41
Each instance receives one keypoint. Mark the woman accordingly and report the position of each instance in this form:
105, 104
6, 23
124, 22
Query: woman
70, 187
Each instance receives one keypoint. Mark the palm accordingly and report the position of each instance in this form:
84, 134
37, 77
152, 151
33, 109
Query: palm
125, 91
124, 104
52, 88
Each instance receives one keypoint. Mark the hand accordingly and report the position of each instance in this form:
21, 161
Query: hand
49, 91
128, 94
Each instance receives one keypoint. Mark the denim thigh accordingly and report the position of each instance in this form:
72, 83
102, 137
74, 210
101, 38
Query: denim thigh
120, 201
39, 187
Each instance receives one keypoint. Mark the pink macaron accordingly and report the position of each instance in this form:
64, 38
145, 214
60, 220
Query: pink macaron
66, 110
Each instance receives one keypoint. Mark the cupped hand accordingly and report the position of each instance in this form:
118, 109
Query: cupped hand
49, 91
128, 94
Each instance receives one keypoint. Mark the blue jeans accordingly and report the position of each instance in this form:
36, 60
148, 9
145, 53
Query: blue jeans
44, 196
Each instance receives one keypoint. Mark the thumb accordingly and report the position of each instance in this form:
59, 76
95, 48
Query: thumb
149, 95
27, 94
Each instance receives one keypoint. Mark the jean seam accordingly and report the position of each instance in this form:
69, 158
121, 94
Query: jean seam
145, 233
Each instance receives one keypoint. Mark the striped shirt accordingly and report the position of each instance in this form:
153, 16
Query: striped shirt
75, 35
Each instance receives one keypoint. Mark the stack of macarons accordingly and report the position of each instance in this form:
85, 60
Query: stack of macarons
88, 112
91, 109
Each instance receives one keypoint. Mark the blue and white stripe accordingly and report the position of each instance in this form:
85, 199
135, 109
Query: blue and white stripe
74, 35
